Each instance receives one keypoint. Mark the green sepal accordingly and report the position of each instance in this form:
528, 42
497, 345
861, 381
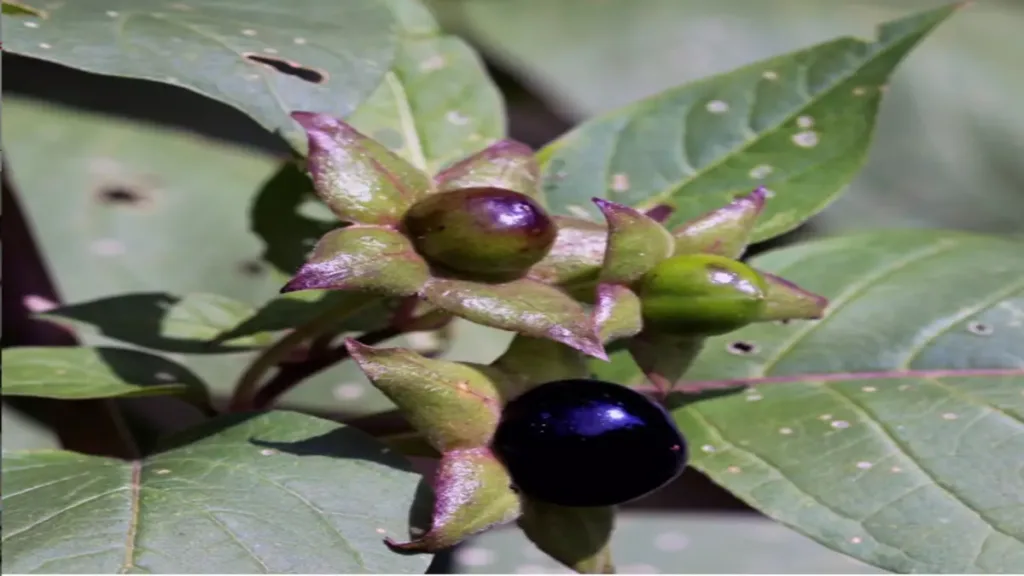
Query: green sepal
617, 313
366, 258
577, 255
506, 164
472, 493
787, 301
636, 243
358, 178
528, 362
455, 406
577, 537
664, 358
725, 231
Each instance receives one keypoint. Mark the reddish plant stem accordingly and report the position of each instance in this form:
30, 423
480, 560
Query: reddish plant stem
290, 375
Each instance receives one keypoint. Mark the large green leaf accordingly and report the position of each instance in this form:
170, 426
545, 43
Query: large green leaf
273, 493
21, 432
75, 373
263, 57
947, 134
659, 543
799, 124
437, 103
893, 429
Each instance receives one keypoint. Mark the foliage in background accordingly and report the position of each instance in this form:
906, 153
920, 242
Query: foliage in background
891, 437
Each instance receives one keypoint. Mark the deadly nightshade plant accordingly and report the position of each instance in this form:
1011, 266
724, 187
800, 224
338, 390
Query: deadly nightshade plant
464, 241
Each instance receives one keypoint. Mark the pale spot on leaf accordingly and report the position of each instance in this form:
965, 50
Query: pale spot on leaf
349, 391
270, 50
162, 471
785, 431
761, 171
869, 389
949, 416
770, 75
107, 247
578, 211
671, 541
856, 540
708, 448
474, 556
45, 46
435, 62
754, 397
733, 469
456, 118
805, 121
31, 24
112, 13
717, 106
979, 329
841, 424
248, 32
299, 40
806, 139
864, 465
860, 91
268, 452
825, 417
620, 182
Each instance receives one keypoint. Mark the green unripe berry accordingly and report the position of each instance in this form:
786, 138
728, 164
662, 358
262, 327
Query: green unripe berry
485, 232
701, 295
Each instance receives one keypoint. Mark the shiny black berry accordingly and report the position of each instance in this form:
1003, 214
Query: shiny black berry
588, 443
487, 232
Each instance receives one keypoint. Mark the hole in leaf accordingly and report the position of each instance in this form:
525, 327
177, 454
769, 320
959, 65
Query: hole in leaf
251, 268
979, 329
742, 348
120, 196
785, 321
289, 68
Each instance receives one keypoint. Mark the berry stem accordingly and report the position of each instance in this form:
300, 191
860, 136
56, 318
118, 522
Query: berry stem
245, 390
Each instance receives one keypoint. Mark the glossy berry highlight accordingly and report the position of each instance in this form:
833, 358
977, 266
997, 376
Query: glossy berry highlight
483, 232
584, 443
701, 295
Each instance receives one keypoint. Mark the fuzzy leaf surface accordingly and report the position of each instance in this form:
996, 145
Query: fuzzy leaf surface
78, 373
261, 57
902, 408
68, 512
808, 116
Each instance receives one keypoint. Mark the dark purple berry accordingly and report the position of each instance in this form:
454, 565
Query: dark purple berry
588, 443
487, 232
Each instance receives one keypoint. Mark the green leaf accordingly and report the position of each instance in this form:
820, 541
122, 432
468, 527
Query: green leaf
590, 61
21, 432
891, 430
523, 306
807, 116
359, 179
81, 373
437, 103
261, 57
362, 258
577, 537
279, 492
455, 406
159, 321
653, 542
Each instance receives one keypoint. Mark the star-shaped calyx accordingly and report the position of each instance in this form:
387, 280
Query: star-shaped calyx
463, 241
666, 292
456, 408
